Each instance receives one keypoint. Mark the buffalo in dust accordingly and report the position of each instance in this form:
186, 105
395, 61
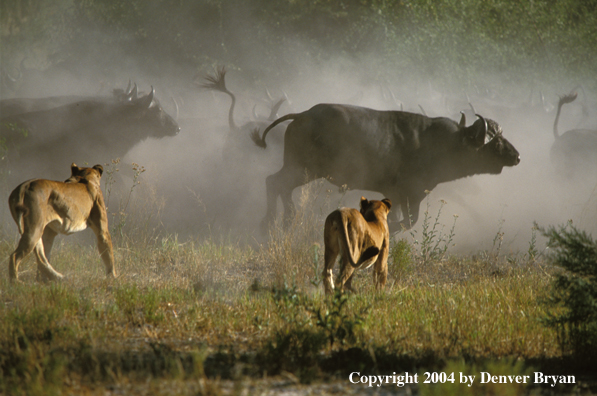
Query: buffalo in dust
574, 152
88, 130
398, 154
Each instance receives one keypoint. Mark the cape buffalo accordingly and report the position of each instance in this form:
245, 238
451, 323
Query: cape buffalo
92, 130
574, 151
15, 106
398, 154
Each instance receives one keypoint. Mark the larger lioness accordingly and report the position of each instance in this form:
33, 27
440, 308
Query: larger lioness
43, 209
361, 239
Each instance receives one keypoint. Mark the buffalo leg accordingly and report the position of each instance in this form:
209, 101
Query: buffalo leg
409, 205
282, 184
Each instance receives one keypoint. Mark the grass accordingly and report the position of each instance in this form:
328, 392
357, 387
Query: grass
194, 313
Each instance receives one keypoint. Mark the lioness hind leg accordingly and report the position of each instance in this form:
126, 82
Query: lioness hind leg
45, 270
24, 248
104, 245
332, 249
345, 277
380, 270
98, 222
328, 270
48, 241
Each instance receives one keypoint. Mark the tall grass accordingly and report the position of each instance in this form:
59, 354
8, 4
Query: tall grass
195, 309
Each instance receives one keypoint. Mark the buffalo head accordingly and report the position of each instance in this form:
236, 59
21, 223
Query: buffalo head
149, 113
494, 151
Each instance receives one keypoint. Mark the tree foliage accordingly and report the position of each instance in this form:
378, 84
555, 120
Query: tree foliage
574, 300
461, 40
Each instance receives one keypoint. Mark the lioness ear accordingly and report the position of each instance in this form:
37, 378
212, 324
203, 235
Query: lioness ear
99, 168
387, 202
73, 168
364, 203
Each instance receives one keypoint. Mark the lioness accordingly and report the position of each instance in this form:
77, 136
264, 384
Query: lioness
44, 208
361, 238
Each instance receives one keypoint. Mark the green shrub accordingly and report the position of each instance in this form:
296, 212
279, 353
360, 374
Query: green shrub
573, 304
400, 261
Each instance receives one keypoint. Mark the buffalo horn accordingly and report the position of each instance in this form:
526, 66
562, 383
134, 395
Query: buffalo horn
485, 131
472, 108
131, 94
255, 116
462, 122
269, 95
145, 101
175, 105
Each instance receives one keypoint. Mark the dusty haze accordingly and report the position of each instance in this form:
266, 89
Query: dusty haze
212, 180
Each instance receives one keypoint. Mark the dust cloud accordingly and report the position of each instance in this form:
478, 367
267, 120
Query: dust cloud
209, 179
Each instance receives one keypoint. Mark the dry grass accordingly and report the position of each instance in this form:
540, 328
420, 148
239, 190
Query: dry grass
187, 311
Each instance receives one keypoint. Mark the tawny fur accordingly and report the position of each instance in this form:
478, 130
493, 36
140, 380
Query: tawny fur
43, 209
361, 239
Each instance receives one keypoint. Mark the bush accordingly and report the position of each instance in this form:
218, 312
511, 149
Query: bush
574, 300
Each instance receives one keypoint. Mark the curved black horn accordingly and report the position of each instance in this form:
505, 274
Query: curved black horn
462, 122
485, 124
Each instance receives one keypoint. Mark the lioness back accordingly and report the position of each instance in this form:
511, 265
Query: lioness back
43, 209
360, 238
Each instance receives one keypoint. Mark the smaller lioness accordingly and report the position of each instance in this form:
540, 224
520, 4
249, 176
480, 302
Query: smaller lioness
43, 209
361, 239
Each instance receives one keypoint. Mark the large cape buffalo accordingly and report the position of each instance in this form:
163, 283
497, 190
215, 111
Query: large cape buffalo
398, 154
15, 106
92, 130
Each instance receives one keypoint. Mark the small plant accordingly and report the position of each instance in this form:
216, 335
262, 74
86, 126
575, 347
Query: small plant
290, 246
400, 260
119, 218
498, 239
434, 243
109, 179
316, 279
338, 325
290, 303
532, 252
574, 300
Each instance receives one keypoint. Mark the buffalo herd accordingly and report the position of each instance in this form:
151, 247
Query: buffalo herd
401, 155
